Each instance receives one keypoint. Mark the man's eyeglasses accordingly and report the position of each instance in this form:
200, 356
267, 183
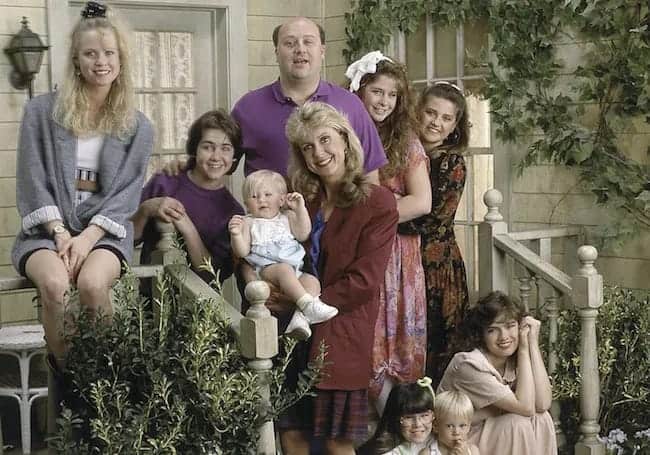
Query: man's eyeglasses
413, 419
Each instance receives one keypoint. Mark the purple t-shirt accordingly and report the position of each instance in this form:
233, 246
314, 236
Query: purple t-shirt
263, 114
209, 210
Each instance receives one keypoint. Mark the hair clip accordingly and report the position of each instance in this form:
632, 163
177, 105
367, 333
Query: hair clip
426, 382
366, 64
449, 84
93, 9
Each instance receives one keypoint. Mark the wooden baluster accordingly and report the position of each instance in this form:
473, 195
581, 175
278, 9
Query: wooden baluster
493, 274
587, 287
259, 343
553, 310
525, 290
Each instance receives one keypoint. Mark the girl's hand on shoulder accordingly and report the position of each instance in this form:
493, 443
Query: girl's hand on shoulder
236, 225
295, 201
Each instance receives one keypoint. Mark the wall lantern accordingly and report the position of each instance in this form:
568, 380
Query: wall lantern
25, 52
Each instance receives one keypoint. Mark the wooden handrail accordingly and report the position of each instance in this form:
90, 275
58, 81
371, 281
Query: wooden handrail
551, 274
189, 283
583, 291
551, 233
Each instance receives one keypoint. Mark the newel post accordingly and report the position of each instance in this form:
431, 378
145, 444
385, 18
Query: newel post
259, 343
493, 274
587, 287
165, 253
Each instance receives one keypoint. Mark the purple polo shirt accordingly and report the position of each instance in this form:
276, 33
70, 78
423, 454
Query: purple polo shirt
263, 114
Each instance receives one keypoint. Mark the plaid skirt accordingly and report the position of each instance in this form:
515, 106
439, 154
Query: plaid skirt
331, 414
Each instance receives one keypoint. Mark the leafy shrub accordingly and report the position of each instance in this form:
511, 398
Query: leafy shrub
623, 331
175, 386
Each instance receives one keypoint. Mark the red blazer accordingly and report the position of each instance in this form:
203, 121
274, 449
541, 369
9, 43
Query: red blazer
355, 247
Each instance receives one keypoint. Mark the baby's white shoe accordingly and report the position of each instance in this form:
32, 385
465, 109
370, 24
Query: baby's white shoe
315, 310
298, 326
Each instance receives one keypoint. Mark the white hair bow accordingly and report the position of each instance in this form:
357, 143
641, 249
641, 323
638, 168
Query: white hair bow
366, 64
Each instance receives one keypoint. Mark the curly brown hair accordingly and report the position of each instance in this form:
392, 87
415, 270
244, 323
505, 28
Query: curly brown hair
397, 129
485, 312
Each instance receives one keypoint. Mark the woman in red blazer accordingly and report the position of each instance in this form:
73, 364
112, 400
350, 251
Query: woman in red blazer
354, 224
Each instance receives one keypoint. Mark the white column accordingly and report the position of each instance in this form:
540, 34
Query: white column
587, 287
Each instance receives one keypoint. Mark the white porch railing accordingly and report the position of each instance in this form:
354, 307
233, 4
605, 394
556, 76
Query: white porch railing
583, 291
257, 330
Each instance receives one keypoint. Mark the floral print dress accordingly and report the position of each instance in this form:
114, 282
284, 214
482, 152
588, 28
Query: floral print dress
400, 331
446, 281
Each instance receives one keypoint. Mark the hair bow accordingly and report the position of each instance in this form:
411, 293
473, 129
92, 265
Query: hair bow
366, 64
93, 9
426, 382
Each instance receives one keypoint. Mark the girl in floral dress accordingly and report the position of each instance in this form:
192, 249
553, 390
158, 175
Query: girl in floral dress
400, 331
444, 132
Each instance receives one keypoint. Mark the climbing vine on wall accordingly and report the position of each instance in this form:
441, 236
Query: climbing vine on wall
573, 111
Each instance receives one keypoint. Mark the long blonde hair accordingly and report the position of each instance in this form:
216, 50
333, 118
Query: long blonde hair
118, 115
302, 122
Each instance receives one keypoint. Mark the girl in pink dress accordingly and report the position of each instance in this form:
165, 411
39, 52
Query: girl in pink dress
399, 350
505, 377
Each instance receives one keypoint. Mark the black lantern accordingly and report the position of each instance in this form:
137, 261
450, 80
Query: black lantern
25, 51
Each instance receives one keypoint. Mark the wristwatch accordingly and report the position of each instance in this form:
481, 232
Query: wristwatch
58, 229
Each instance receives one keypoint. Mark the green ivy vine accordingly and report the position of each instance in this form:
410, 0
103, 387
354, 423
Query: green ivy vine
573, 114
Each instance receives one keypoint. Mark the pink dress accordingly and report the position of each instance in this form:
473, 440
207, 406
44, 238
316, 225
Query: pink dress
493, 430
399, 350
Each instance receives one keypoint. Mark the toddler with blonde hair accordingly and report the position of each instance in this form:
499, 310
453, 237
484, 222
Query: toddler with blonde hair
268, 239
453, 412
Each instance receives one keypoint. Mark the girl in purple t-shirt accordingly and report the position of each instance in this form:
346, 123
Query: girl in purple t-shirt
197, 201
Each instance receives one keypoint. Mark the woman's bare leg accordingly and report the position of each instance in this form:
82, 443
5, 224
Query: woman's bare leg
98, 273
49, 275
294, 442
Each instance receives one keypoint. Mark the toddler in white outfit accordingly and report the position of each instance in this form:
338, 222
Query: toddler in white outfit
268, 239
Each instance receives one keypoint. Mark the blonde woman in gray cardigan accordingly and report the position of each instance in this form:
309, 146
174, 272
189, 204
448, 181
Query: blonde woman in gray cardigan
82, 155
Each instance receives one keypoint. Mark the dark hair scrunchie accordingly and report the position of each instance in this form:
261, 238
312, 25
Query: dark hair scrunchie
93, 9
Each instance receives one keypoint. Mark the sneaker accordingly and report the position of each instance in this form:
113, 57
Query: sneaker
298, 326
317, 311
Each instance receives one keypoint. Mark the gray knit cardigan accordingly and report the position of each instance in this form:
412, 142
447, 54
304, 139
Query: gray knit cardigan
45, 182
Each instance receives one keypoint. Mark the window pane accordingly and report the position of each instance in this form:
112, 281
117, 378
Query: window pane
444, 63
176, 59
416, 52
478, 109
476, 44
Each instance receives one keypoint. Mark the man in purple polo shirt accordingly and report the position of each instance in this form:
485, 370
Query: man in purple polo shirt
263, 113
